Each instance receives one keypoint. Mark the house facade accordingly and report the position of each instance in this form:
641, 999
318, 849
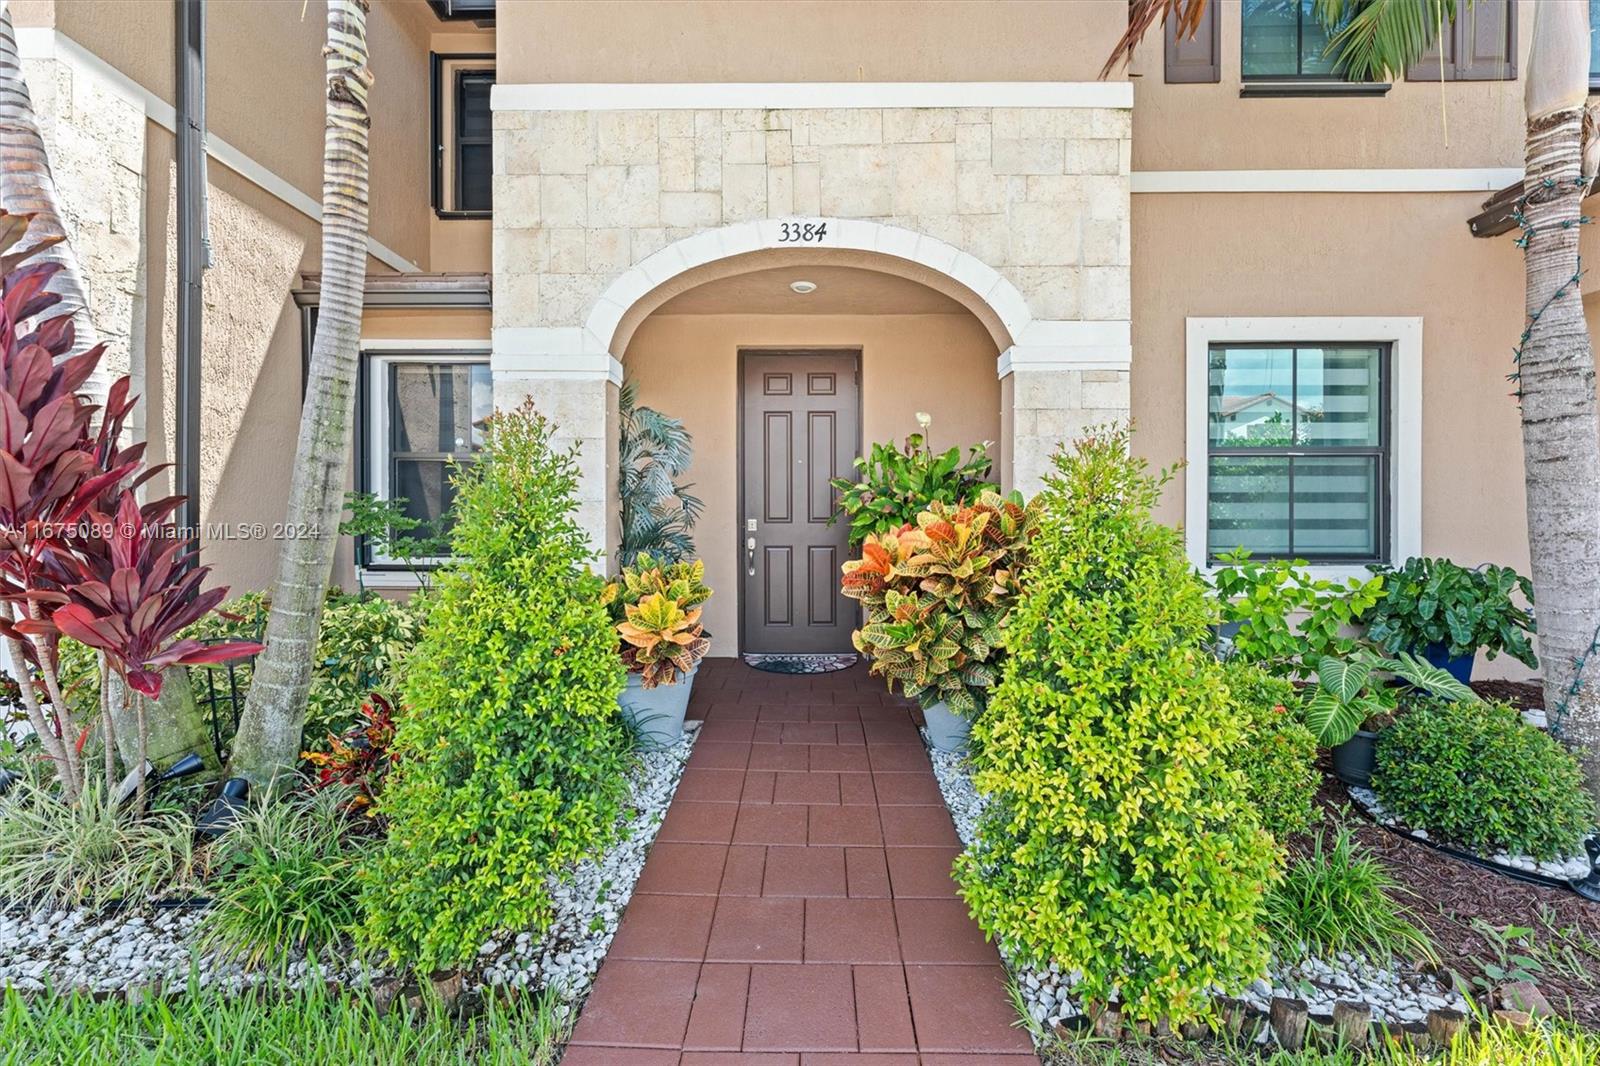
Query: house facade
798, 225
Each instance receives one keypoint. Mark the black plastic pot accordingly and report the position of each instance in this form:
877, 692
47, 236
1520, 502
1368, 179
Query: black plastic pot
1354, 759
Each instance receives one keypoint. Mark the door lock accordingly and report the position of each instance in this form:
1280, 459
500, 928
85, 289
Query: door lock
750, 555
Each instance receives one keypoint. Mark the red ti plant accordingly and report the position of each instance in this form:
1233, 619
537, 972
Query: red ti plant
65, 567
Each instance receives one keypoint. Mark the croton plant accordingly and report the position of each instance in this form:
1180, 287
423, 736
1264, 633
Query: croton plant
656, 610
79, 556
937, 595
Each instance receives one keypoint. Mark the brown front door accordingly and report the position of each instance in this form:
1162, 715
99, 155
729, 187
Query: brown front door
800, 426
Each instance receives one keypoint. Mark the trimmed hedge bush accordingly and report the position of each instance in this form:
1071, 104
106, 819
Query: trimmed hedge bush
1278, 754
510, 754
1477, 775
1118, 841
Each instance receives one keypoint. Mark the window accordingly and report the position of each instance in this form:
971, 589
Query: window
1304, 439
1594, 46
463, 168
1296, 451
1284, 39
423, 410
1481, 45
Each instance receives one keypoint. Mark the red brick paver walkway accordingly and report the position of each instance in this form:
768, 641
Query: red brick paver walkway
797, 907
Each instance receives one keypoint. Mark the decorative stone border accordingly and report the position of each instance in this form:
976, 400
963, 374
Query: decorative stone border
1559, 873
151, 950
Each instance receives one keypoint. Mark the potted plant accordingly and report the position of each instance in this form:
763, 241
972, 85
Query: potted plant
936, 597
656, 611
1348, 707
1445, 613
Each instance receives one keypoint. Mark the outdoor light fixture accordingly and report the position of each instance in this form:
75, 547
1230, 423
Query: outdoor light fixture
804, 288
219, 816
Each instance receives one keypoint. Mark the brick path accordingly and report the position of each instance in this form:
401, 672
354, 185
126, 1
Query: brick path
796, 908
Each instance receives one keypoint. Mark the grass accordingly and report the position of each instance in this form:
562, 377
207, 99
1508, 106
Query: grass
206, 1028
90, 853
1337, 899
1494, 1045
284, 882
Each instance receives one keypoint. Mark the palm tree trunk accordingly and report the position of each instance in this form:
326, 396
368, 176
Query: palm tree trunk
1560, 432
268, 741
27, 187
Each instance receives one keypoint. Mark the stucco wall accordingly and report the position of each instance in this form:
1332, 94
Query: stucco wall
806, 40
1350, 254
686, 366
1417, 124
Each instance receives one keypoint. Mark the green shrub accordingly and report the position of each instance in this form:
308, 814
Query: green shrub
362, 647
1288, 620
1476, 774
510, 755
894, 485
1437, 602
1277, 756
1341, 898
89, 853
1118, 841
285, 882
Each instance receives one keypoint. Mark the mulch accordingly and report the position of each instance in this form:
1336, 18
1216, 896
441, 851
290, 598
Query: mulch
1448, 894
1523, 695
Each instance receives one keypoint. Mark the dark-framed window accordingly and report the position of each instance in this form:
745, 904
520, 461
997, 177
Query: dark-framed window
1297, 451
421, 413
1480, 45
1594, 46
462, 134
1283, 39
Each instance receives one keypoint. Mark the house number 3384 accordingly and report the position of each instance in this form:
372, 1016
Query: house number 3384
802, 232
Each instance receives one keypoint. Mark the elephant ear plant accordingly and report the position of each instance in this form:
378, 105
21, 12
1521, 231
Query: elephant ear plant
1446, 611
937, 595
1348, 694
67, 566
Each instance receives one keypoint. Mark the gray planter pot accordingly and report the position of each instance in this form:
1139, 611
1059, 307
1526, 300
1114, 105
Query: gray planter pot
656, 714
947, 731
1354, 760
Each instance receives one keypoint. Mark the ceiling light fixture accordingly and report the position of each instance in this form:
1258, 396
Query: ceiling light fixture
804, 288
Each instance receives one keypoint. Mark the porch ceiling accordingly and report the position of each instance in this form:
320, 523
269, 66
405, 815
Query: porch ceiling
840, 290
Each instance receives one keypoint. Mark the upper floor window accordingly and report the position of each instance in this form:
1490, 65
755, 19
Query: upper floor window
1594, 46
1285, 39
463, 167
1480, 45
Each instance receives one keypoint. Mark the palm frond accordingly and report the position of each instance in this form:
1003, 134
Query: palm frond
657, 513
1142, 15
1376, 40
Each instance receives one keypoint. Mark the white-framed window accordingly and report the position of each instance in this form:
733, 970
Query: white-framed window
1304, 439
423, 408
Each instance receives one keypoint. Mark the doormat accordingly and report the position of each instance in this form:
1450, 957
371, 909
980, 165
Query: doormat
776, 663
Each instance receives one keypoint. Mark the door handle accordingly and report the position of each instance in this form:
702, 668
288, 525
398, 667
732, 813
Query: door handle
750, 556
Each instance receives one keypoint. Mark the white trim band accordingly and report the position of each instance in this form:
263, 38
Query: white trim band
43, 42
1403, 334
646, 96
1376, 179
1065, 345
551, 352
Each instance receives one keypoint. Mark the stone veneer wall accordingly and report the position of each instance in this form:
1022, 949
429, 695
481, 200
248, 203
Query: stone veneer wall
1038, 194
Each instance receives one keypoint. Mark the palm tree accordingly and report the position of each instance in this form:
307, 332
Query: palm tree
1555, 363
657, 512
27, 188
267, 745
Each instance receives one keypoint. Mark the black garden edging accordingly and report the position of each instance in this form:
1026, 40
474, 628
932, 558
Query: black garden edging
1587, 887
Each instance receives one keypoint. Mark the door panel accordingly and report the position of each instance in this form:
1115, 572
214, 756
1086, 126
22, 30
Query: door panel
800, 428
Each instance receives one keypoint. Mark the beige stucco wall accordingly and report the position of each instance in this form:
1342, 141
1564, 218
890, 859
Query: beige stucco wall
1210, 126
1350, 254
805, 40
687, 366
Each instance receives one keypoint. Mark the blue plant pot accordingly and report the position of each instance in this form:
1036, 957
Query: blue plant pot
1457, 666
947, 731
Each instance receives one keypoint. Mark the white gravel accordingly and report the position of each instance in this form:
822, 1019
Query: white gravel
1571, 868
1394, 994
151, 949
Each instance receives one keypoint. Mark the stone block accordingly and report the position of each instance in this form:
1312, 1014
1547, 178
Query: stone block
1026, 155
1056, 188
516, 299
564, 141
625, 196
807, 188
1107, 395
780, 191
1044, 234
743, 118
919, 124
1104, 292
625, 137
569, 253
979, 190
1034, 390
744, 192
566, 299
1092, 156
744, 146
646, 241
563, 201
1111, 122
1034, 122
1106, 196
1106, 243
699, 209
845, 125
499, 120
1050, 291
806, 153
924, 179
857, 181
986, 238
780, 153
972, 142
518, 200
607, 250
671, 124
677, 164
